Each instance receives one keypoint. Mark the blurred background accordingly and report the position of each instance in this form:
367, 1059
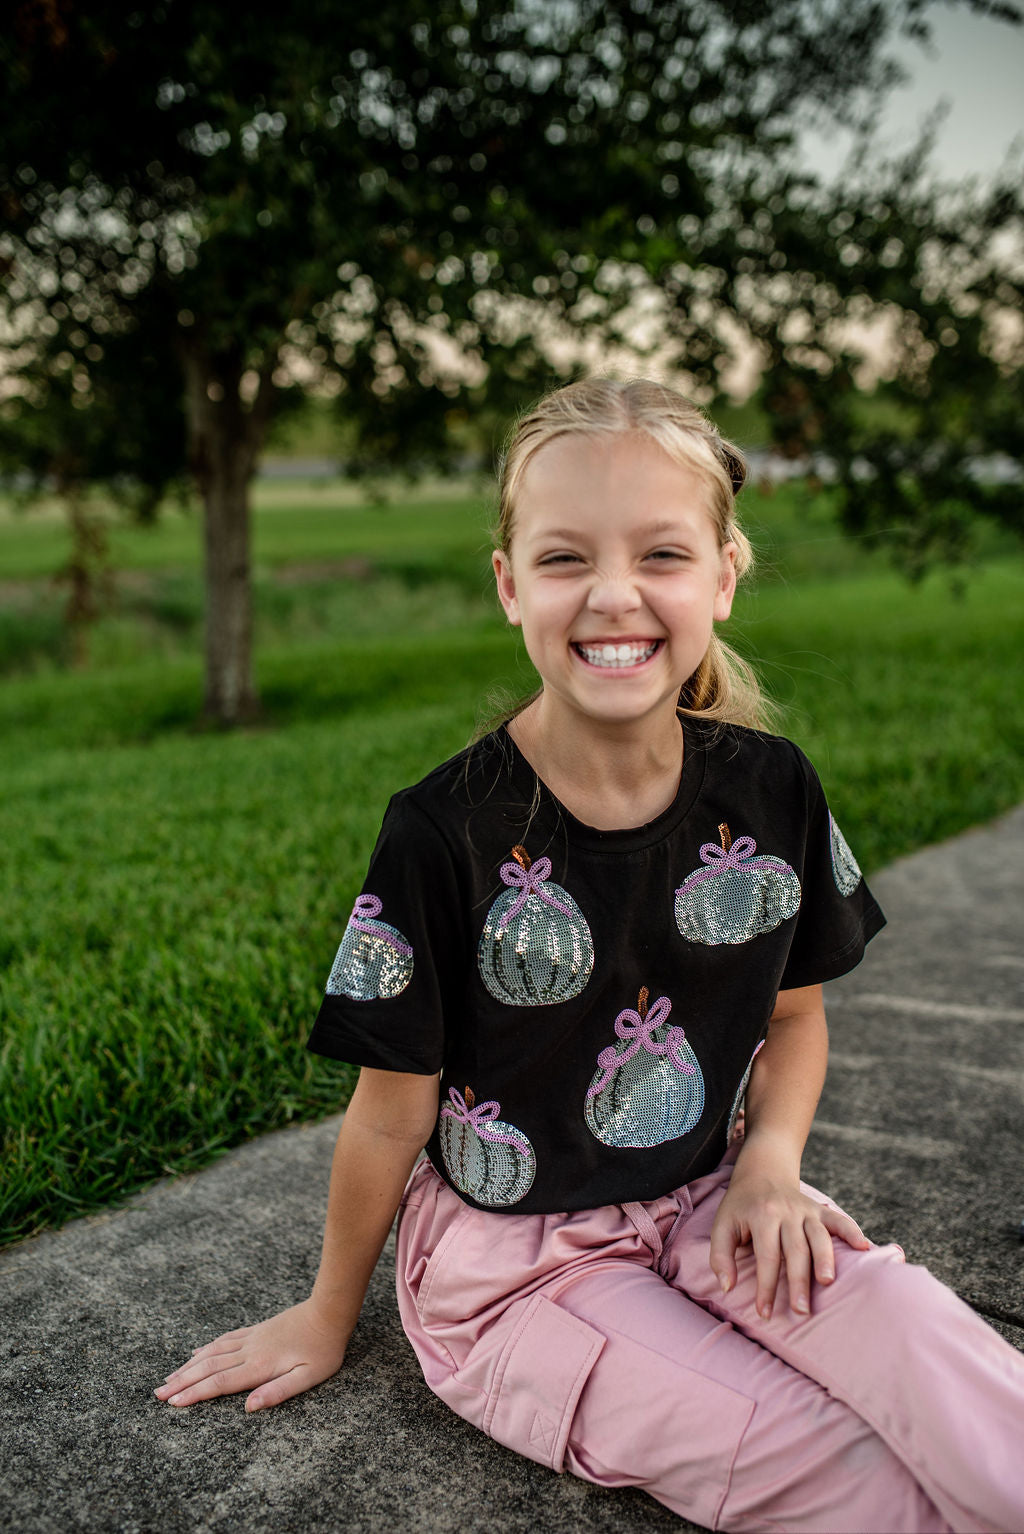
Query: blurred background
271, 298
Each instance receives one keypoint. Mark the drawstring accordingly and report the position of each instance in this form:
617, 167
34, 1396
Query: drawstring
639, 1217
685, 1211
644, 1226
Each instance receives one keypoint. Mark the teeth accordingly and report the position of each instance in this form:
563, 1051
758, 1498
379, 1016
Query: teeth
616, 656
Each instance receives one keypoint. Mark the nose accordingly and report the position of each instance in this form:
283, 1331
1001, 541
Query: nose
613, 594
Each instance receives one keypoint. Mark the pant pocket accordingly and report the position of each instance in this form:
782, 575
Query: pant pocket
540, 1374
442, 1303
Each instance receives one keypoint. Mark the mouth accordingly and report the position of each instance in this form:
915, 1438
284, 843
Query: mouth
617, 657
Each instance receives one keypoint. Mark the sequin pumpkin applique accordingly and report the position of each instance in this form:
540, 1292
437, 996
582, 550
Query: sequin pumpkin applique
845, 869
741, 1092
374, 961
735, 896
652, 1089
535, 948
491, 1161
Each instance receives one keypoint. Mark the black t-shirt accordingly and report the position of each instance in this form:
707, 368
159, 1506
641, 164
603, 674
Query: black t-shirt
593, 999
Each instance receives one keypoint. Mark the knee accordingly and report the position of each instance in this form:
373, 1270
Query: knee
895, 1290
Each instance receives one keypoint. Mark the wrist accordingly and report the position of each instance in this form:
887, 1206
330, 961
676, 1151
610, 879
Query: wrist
772, 1153
336, 1310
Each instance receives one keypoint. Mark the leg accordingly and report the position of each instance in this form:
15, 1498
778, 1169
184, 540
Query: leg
665, 1398
557, 1337
936, 1384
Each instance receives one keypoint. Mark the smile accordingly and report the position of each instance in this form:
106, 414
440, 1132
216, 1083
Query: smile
616, 656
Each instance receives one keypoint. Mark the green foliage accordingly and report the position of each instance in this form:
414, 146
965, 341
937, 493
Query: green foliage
922, 426
429, 211
413, 204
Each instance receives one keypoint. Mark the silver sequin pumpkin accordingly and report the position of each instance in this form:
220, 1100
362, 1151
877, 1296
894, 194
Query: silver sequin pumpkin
490, 1161
741, 1092
374, 961
651, 1089
845, 869
735, 896
536, 948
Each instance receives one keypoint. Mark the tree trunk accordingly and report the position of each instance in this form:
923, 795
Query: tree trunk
87, 572
225, 439
230, 693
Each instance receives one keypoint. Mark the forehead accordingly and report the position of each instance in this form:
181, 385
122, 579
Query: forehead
622, 475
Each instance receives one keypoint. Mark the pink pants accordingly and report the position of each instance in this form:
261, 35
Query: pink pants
599, 1342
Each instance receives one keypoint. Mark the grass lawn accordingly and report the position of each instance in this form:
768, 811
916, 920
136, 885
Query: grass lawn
171, 899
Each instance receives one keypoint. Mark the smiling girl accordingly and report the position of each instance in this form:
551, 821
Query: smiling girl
581, 946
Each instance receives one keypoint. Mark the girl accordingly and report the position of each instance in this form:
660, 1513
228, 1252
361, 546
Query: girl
581, 945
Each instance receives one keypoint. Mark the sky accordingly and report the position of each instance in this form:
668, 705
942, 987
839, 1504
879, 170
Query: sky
977, 66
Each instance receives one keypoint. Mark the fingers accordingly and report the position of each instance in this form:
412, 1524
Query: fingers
808, 1254
274, 1360
234, 1339
768, 1250
725, 1238
293, 1383
798, 1240
214, 1374
221, 1347
785, 1229
798, 1269
808, 1251
212, 1366
841, 1225
823, 1258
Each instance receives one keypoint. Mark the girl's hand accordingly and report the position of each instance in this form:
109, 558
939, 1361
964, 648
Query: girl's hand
782, 1225
275, 1360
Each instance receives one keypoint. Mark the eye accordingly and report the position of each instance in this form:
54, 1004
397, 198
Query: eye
666, 556
561, 558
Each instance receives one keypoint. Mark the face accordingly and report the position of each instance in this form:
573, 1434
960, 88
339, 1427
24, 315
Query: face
615, 575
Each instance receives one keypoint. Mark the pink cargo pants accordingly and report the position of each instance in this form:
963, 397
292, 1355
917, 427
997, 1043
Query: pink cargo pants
599, 1342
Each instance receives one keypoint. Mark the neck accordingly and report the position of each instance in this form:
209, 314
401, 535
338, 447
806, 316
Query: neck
612, 776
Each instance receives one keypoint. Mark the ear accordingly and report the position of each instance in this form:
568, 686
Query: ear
506, 586
726, 582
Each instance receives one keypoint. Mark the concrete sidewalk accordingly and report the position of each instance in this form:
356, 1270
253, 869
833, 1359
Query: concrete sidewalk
920, 1134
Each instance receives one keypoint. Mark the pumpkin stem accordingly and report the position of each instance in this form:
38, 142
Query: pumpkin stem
726, 836
522, 857
469, 1097
641, 1002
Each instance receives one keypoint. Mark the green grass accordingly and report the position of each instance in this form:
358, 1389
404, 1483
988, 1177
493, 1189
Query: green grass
910, 702
293, 521
171, 898
168, 913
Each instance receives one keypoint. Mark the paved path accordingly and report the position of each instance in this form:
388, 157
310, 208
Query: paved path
920, 1133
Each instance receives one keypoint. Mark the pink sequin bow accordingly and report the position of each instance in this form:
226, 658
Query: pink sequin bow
480, 1120
363, 912
531, 882
639, 1032
718, 860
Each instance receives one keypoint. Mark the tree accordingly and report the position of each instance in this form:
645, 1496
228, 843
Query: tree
117, 422
901, 365
423, 207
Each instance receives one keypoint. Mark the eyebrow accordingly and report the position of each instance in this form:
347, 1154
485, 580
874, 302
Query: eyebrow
649, 530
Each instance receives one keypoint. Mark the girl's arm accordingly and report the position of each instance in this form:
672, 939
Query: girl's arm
388, 1122
764, 1205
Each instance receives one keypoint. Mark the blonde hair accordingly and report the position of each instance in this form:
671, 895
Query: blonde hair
724, 686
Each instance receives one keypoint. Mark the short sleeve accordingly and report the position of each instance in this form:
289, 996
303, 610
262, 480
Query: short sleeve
838, 914
401, 961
